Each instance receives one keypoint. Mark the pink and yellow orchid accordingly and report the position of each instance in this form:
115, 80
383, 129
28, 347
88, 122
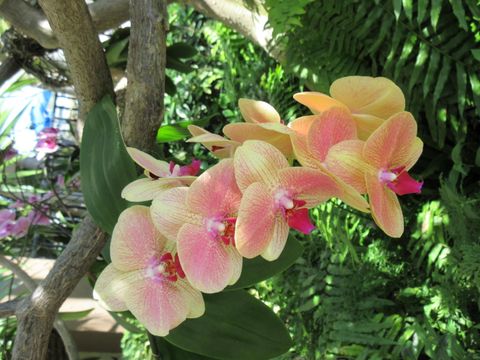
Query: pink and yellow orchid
146, 276
219, 146
262, 122
275, 198
371, 100
380, 167
318, 140
202, 220
160, 176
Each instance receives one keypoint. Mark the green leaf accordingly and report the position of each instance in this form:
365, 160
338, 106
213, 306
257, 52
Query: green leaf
442, 79
408, 7
105, 166
475, 84
258, 269
431, 72
178, 131
181, 51
74, 315
116, 54
462, 87
422, 10
397, 8
476, 54
459, 12
435, 12
168, 133
178, 65
169, 351
170, 87
236, 326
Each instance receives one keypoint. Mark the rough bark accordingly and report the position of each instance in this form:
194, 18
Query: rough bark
75, 31
106, 14
8, 68
145, 72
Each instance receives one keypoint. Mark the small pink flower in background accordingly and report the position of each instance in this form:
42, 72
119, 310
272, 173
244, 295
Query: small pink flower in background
146, 276
36, 217
47, 141
201, 219
60, 181
160, 176
21, 226
275, 198
9, 153
7, 222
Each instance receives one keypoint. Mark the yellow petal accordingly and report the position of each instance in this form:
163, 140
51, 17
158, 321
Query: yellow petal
316, 101
298, 137
376, 96
254, 111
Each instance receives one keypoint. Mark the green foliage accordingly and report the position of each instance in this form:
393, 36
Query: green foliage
106, 168
235, 326
428, 48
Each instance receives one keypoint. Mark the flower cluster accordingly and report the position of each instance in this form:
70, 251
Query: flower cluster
193, 237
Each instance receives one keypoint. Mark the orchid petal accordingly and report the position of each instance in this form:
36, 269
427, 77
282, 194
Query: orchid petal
386, 210
258, 161
169, 212
404, 184
6, 215
254, 111
391, 145
157, 167
208, 263
135, 239
278, 239
109, 287
415, 152
333, 126
162, 305
300, 221
345, 161
317, 102
376, 96
309, 185
300, 127
366, 124
215, 192
256, 221
146, 189
276, 135
221, 147
21, 226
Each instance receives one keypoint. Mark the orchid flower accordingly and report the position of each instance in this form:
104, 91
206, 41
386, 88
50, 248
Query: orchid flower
146, 276
202, 220
275, 198
47, 142
319, 139
380, 166
371, 100
218, 145
262, 122
160, 176
7, 221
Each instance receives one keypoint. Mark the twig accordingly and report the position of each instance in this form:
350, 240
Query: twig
8, 308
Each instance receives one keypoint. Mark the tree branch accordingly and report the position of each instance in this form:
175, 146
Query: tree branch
31, 285
8, 68
106, 14
8, 308
91, 78
146, 73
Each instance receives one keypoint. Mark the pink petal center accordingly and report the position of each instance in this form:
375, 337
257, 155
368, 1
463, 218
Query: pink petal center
399, 181
190, 170
165, 267
223, 229
294, 213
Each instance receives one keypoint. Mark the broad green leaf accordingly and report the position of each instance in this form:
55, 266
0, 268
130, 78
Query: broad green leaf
168, 133
178, 65
169, 351
259, 269
236, 326
74, 315
476, 54
170, 87
178, 131
117, 53
105, 166
181, 51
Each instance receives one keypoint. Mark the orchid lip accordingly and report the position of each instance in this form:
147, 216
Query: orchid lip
222, 228
165, 267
